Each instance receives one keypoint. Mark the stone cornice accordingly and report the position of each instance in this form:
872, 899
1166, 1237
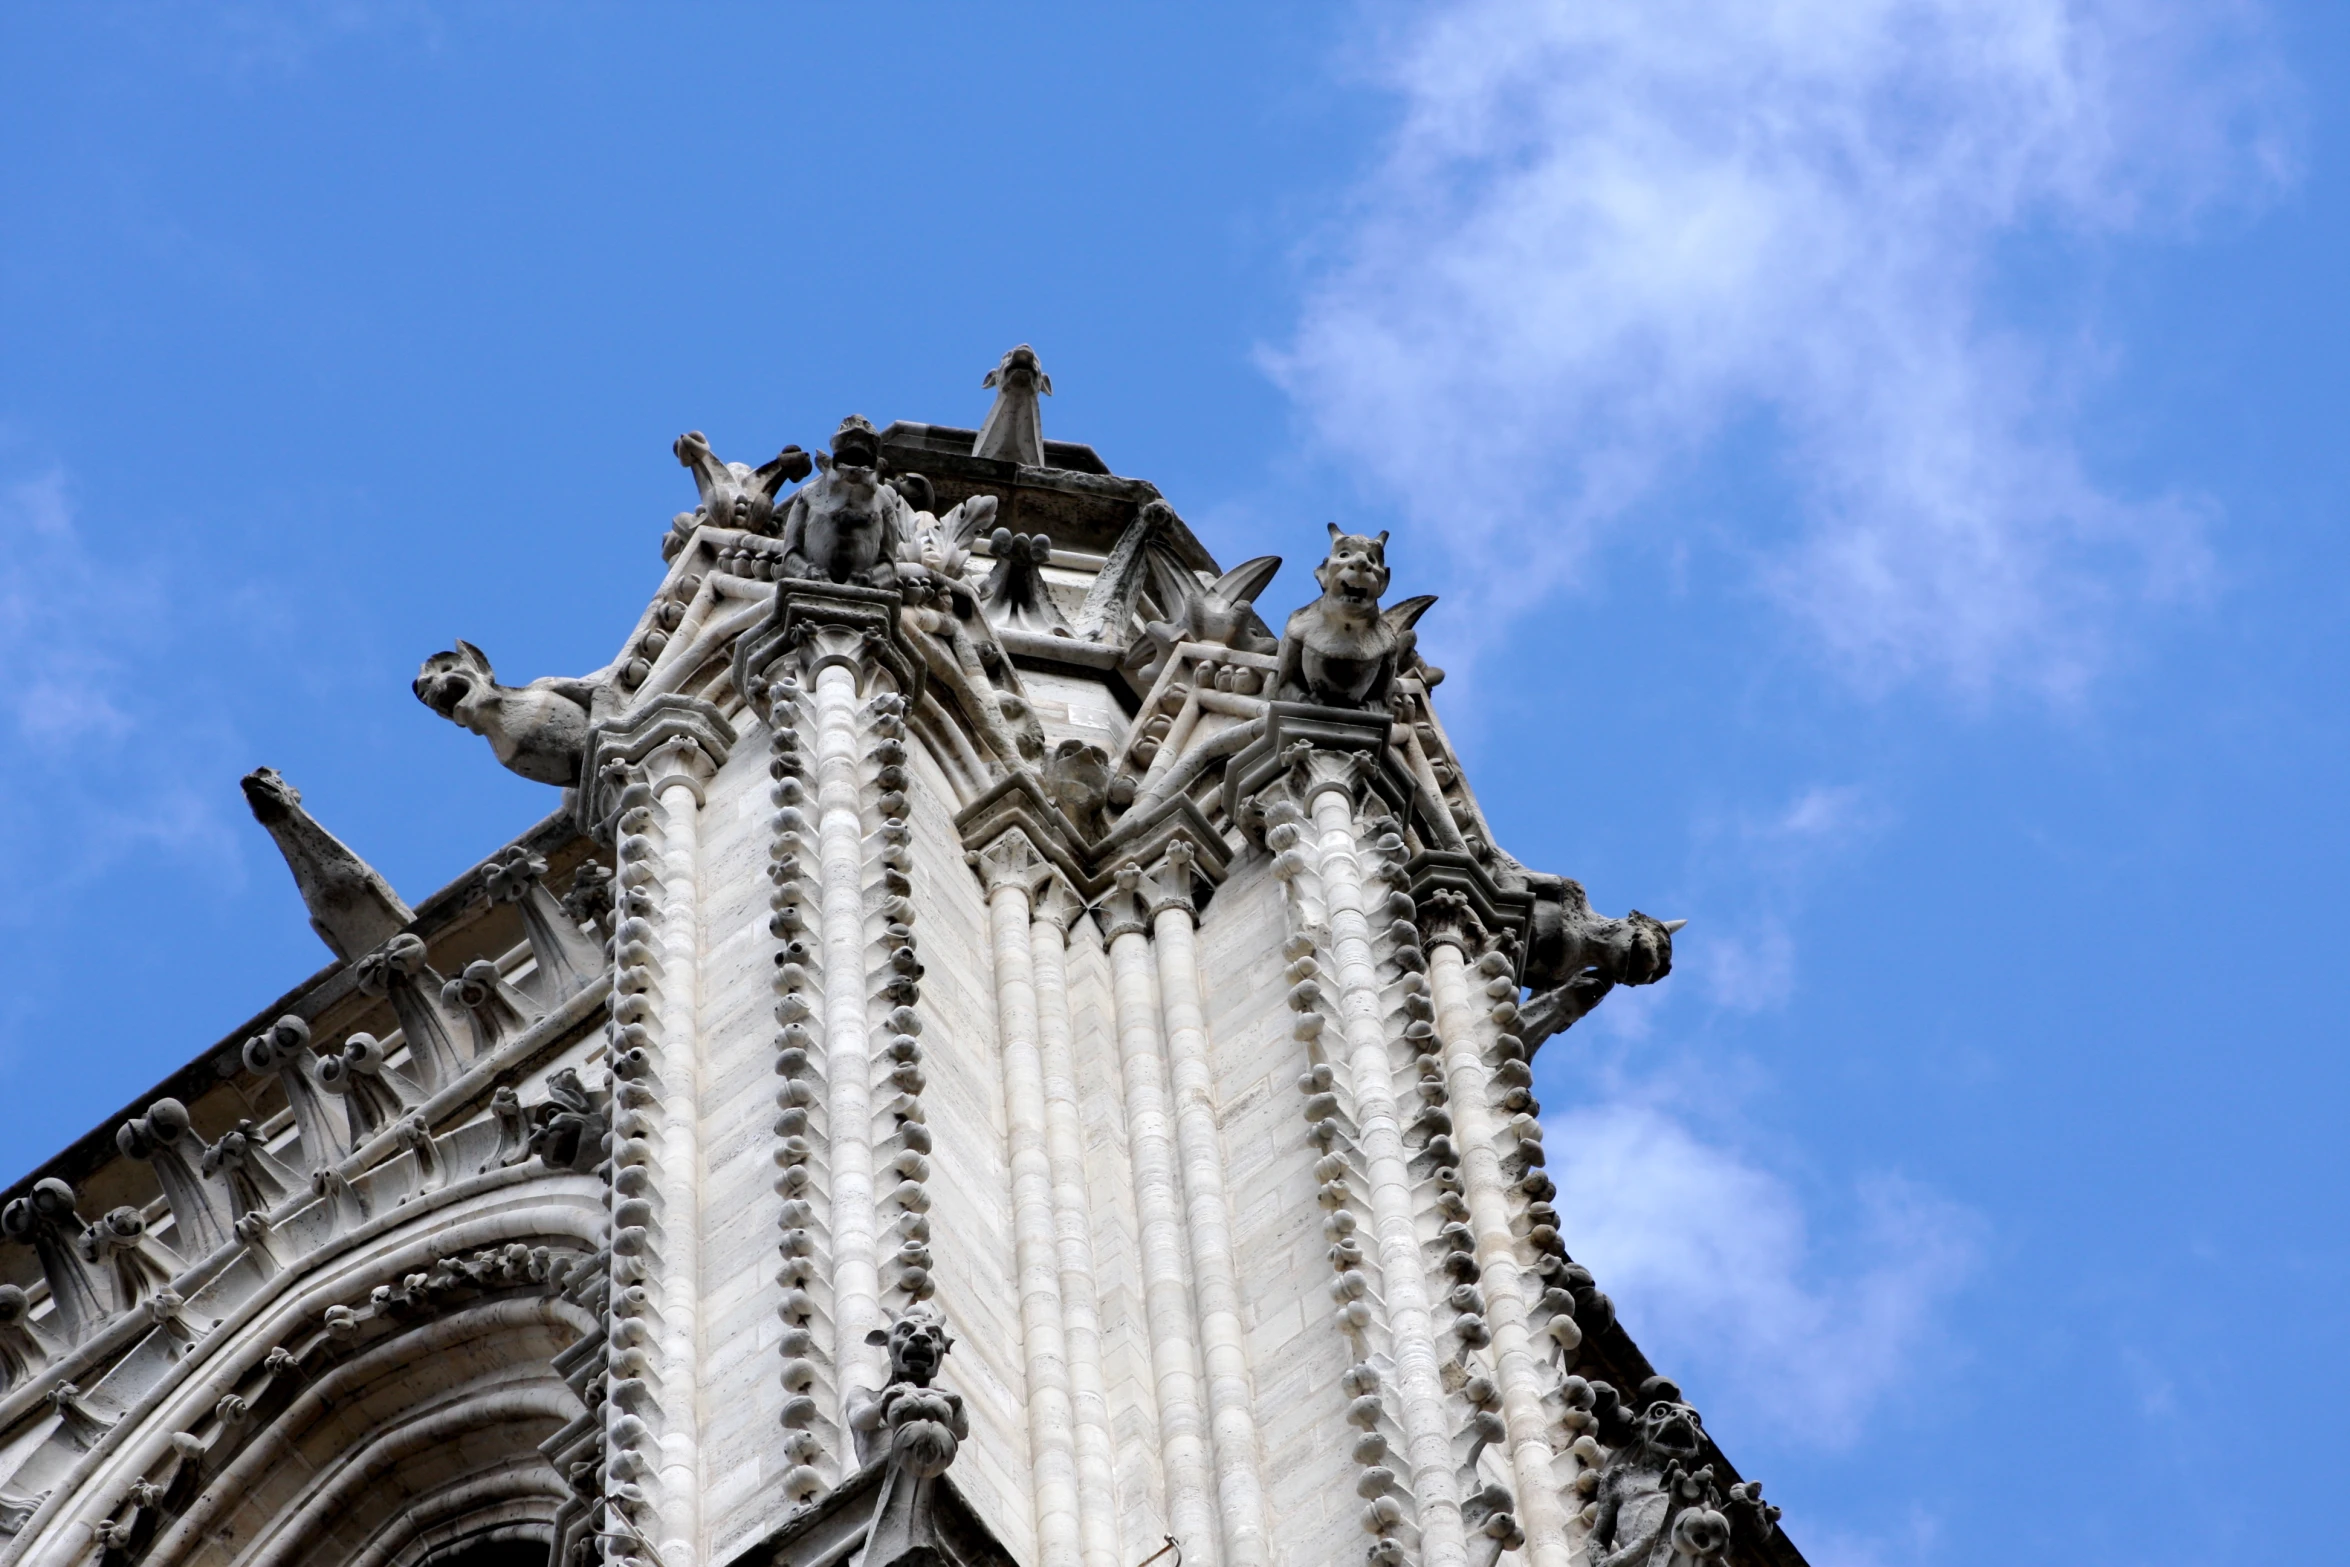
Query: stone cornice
1294, 731
815, 624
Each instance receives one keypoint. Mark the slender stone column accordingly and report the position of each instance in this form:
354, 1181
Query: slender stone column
1054, 910
1240, 1490
677, 772
1461, 1025
657, 763
1009, 867
1158, 1203
1379, 1133
848, 1045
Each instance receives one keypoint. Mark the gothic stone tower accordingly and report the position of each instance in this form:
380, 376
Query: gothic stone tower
995, 1058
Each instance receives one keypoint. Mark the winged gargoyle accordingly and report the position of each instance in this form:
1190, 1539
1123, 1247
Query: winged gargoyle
1343, 650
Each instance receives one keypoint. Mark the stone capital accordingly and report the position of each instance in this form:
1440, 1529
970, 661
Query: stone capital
816, 625
1010, 860
1307, 750
668, 739
1125, 909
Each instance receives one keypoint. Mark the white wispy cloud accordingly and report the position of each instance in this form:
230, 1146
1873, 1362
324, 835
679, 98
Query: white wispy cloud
1605, 234
95, 760
1712, 1263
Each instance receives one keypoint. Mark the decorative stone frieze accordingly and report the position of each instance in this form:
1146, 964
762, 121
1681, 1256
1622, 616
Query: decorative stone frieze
44, 1219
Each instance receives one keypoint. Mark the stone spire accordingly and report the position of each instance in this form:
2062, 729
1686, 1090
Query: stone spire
353, 909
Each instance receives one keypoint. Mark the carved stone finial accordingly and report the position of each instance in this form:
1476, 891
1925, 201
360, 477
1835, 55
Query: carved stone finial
539, 730
24, 1347
351, 907
917, 1429
374, 1094
397, 970
165, 1140
138, 1265
1342, 650
1014, 428
256, 1181
45, 1220
568, 960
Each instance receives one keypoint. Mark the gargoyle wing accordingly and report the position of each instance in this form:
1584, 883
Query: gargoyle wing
1401, 617
1244, 582
1173, 585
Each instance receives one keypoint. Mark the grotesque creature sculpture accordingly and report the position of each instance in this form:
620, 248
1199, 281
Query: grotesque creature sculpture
1575, 956
1653, 1508
539, 730
916, 1430
736, 495
1014, 430
1342, 650
352, 908
848, 526
1077, 779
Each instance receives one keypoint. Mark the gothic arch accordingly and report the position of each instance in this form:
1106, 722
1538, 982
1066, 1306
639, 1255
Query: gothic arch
381, 1402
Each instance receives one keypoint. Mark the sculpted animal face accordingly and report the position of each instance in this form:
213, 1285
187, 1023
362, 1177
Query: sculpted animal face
272, 798
1669, 1430
451, 683
1356, 573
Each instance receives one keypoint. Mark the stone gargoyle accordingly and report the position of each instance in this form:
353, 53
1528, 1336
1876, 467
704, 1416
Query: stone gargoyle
734, 495
1343, 650
1014, 430
1656, 1507
1576, 956
915, 1429
539, 730
849, 525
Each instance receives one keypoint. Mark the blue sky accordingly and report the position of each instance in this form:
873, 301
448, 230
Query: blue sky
1883, 461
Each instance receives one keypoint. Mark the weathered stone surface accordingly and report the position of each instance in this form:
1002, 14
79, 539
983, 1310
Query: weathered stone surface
974, 916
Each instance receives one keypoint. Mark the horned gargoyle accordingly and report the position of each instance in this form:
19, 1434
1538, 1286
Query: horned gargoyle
1654, 1508
1343, 650
734, 495
1014, 430
539, 730
1576, 956
848, 526
915, 1429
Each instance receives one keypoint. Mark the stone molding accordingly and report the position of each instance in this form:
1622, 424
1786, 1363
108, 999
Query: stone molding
815, 625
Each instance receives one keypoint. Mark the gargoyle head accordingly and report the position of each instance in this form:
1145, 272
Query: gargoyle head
1018, 371
918, 1341
1667, 1430
451, 682
270, 796
856, 444
1355, 574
